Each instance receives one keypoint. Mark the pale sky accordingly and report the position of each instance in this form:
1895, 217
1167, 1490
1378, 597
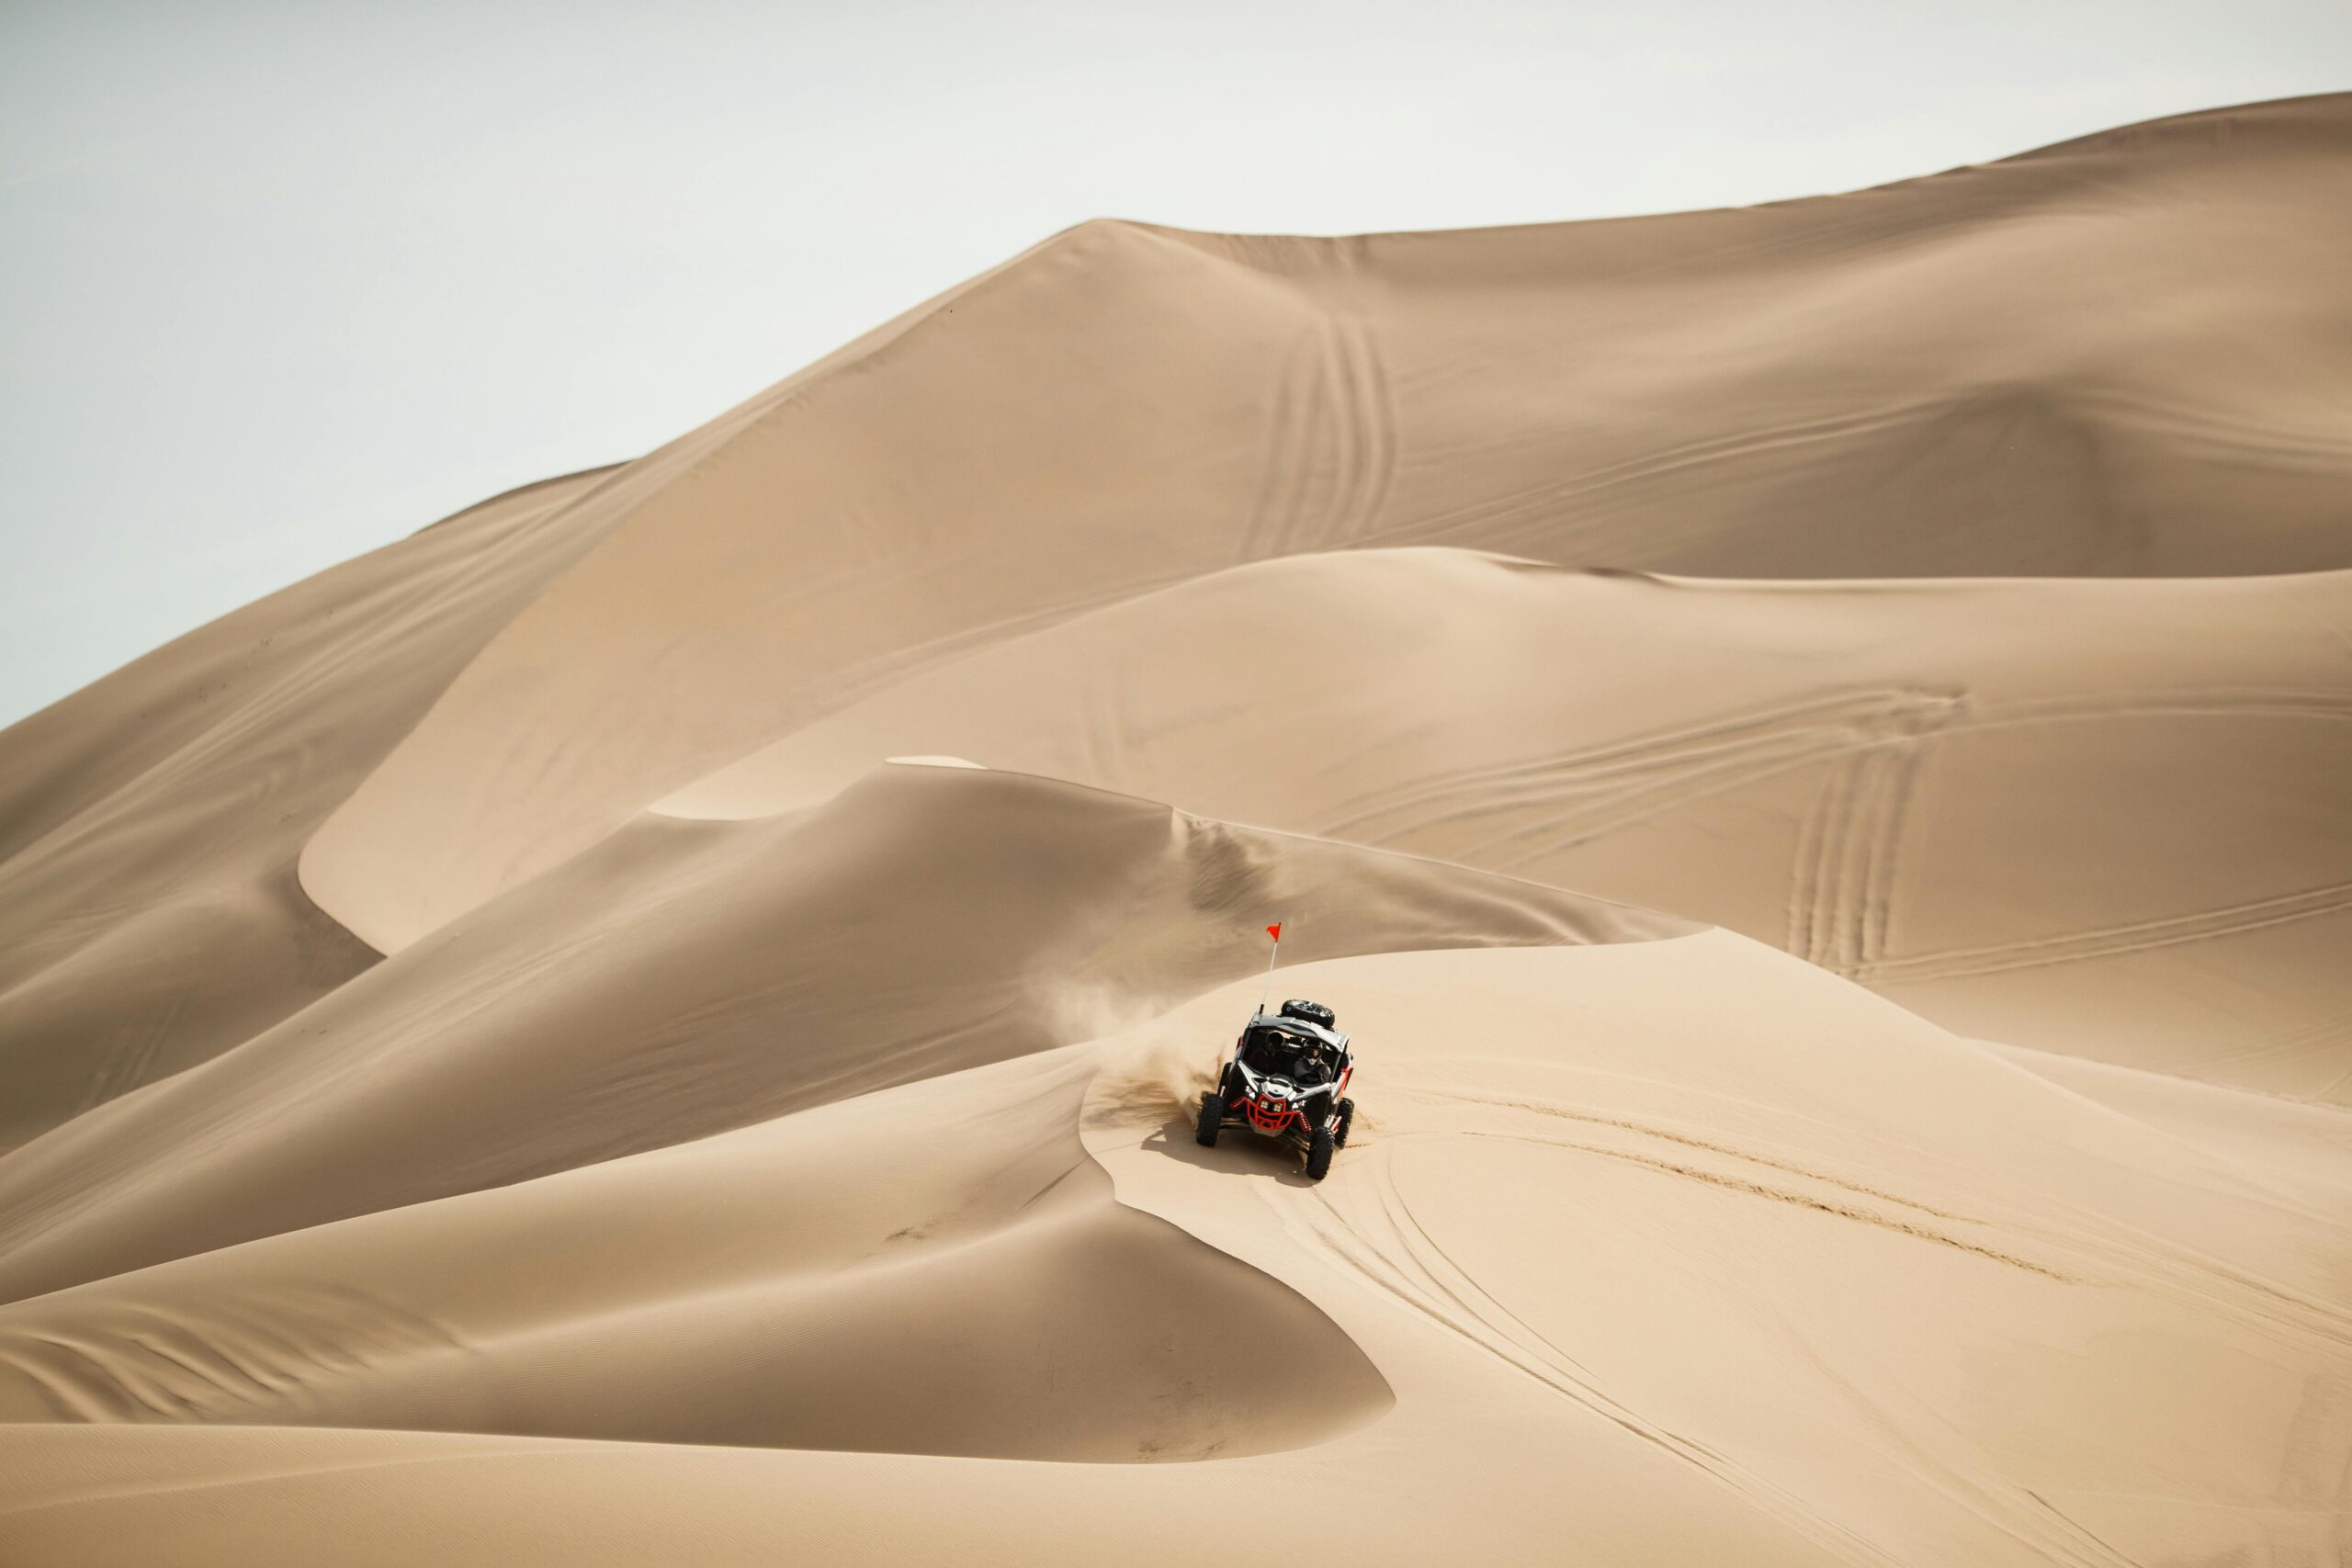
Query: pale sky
280, 283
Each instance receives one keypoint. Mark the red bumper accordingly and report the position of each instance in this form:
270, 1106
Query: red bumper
1268, 1114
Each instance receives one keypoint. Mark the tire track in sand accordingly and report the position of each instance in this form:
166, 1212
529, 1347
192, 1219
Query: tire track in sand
1329, 453
1597, 790
1366, 432
2107, 941
1287, 462
1386, 1248
1844, 878
1379, 1241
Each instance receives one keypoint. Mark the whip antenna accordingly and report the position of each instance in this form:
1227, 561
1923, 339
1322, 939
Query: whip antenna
1275, 930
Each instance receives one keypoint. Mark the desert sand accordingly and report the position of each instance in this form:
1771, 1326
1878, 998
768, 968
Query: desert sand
658, 1020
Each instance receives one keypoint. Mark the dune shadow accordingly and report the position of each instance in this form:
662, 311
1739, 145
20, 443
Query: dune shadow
1236, 1153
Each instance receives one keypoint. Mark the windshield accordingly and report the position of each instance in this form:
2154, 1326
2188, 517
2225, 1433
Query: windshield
1279, 1053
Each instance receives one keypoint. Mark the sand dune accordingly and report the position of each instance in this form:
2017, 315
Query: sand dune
149, 826
1606, 1188
1084, 1329
685, 980
2099, 816
1949, 377
658, 1020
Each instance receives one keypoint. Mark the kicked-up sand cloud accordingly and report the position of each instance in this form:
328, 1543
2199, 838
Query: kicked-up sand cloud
1807, 745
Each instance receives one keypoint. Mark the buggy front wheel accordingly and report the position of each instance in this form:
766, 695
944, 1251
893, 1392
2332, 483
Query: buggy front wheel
1342, 1121
1319, 1155
1212, 1117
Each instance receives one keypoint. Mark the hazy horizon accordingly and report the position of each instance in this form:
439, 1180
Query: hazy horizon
284, 285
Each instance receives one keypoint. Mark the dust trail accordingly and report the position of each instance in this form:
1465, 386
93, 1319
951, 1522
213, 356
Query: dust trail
1156, 1085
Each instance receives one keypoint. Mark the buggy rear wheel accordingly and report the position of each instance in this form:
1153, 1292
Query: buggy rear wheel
1319, 1155
1212, 1117
1344, 1120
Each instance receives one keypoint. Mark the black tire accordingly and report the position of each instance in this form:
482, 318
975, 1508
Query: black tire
1344, 1119
1319, 1155
1212, 1117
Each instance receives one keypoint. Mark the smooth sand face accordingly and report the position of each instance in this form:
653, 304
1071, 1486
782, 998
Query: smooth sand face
658, 1020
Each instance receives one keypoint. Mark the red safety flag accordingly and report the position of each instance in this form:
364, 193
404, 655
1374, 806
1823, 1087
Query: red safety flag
1275, 930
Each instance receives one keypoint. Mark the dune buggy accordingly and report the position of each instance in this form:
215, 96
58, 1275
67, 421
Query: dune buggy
1287, 1080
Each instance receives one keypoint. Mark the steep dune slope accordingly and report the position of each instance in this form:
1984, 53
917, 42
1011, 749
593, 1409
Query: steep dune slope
684, 980
1951, 376
2105, 817
149, 825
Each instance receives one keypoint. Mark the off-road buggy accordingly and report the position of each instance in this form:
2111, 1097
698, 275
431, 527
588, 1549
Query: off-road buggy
1288, 1079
